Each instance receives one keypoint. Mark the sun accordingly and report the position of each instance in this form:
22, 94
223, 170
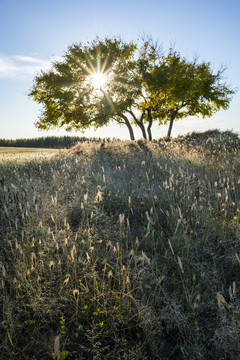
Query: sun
98, 80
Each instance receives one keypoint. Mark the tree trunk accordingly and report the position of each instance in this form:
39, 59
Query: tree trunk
142, 127
171, 123
149, 125
139, 123
131, 133
130, 129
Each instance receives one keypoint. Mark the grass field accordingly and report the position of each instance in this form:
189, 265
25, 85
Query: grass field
122, 250
20, 151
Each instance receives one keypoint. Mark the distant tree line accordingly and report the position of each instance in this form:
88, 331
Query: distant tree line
57, 142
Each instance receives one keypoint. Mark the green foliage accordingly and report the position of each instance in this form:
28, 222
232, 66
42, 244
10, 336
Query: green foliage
69, 98
187, 89
63, 355
142, 86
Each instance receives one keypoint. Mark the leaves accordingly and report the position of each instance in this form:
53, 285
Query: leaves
63, 355
143, 85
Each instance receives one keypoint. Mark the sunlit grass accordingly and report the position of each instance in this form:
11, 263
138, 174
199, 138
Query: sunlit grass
122, 250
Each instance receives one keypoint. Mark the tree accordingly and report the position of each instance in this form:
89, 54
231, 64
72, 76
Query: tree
180, 88
110, 80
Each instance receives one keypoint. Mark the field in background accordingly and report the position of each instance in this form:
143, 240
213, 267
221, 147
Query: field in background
20, 150
122, 250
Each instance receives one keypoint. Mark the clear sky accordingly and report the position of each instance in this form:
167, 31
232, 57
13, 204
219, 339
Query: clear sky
33, 33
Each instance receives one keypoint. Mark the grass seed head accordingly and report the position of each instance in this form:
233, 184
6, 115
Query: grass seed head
180, 264
222, 304
56, 354
33, 258
108, 246
161, 280
121, 219
76, 294
51, 265
110, 275
131, 254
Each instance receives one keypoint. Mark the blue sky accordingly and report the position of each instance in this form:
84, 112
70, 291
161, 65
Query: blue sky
33, 33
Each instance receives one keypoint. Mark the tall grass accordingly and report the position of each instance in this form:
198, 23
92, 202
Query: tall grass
122, 250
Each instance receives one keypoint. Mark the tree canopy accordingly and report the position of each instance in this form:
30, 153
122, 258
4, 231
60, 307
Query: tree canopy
111, 80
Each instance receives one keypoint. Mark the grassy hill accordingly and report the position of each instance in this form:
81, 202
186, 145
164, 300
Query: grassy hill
122, 250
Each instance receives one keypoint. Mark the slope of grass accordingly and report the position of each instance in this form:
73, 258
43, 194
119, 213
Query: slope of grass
122, 250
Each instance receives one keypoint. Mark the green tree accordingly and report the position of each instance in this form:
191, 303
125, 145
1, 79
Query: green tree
110, 80
72, 94
180, 88
95, 84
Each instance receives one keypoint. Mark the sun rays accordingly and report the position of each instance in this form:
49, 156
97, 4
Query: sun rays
98, 80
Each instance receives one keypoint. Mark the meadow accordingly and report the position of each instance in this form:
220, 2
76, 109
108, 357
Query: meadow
122, 250
17, 151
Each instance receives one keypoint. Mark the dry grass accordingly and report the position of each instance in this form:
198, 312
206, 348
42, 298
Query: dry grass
122, 250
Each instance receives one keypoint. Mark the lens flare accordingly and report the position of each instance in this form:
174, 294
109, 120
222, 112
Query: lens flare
98, 80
